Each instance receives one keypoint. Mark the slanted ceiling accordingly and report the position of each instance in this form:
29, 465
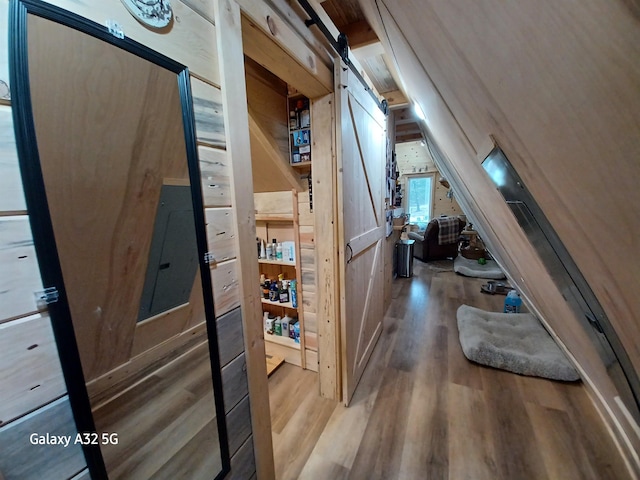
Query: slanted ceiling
556, 84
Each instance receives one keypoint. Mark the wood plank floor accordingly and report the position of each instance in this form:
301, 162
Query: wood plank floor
166, 424
422, 411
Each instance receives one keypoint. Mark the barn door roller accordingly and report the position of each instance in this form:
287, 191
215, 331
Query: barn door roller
341, 46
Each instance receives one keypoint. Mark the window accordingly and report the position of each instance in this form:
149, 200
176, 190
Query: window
419, 199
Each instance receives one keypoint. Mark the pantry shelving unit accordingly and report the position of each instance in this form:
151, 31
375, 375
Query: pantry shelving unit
300, 134
277, 217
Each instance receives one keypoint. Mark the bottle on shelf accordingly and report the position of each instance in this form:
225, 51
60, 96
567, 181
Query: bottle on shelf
292, 324
274, 246
284, 292
293, 120
277, 327
293, 293
299, 107
270, 323
262, 279
296, 332
263, 252
273, 292
266, 288
268, 252
285, 325
305, 117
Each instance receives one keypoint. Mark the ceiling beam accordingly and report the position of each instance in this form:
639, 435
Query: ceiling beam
360, 34
272, 43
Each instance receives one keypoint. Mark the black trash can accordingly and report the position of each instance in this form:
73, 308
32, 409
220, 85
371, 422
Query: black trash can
404, 257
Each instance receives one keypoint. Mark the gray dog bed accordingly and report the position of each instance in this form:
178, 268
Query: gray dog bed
471, 268
516, 342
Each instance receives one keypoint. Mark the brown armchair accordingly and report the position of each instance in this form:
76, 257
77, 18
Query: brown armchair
427, 247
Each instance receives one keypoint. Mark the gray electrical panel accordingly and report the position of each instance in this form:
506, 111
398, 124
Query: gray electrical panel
173, 256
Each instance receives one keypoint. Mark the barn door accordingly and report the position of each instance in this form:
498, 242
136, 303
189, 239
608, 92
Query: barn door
361, 230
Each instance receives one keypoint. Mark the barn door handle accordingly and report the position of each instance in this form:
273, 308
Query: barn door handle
350, 253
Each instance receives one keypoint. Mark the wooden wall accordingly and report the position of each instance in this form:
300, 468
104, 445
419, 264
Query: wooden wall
557, 86
415, 158
306, 222
29, 363
33, 396
269, 130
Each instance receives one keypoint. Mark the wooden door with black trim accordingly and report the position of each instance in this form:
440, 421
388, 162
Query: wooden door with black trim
361, 140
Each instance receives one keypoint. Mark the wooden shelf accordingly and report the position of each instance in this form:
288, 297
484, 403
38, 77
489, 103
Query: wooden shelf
273, 218
277, 217
301, 164
277, 262
278, 304
284, 341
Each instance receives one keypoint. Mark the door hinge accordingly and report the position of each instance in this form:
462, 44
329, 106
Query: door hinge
48, 295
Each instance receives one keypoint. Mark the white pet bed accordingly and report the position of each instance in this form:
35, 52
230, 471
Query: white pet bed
471, 268
516, 342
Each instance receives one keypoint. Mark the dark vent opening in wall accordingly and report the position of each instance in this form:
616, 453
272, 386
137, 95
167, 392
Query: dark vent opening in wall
567, 277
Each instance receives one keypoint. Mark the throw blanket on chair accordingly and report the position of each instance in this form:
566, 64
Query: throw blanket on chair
447, 230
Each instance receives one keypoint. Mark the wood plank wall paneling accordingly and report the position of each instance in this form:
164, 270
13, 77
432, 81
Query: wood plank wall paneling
234, 382
214, 171
190, 41
269, 131
207, 109
306, 227
30, 371
238, 425
267, 96
467, 102
414, 158
202, 7
270, 168
11, 192
22, 460
21, 276
229, 327
226, 286
221, 233
243, 463
443, 205
276, 204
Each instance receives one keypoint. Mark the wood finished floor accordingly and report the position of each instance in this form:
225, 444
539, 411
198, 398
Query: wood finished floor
422, 411
166, 424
